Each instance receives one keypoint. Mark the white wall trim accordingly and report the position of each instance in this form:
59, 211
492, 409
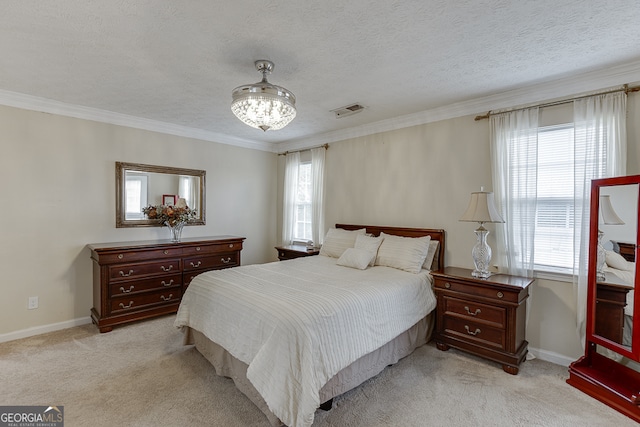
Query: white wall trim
535, 93
542, 92
37, 330
550, 356
34, 103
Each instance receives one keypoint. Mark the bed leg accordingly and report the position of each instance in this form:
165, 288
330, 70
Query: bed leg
326, 405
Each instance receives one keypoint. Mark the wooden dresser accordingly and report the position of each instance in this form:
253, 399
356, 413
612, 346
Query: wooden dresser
485, 317
139, 280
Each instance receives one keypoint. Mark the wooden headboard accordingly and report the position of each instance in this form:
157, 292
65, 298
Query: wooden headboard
436, 234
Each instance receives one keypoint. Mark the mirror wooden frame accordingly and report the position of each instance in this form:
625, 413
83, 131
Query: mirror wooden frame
605, 378
122, 168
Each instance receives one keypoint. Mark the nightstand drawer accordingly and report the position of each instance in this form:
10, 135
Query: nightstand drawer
476, 288
475, 311
475, 332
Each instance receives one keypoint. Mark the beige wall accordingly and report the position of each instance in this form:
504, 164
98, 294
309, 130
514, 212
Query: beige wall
58, 193
422, 177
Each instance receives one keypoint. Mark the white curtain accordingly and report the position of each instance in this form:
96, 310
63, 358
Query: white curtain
600, 129
317, 195
514, 150
292, 162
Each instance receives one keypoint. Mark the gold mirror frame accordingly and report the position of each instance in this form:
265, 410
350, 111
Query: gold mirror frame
121, 170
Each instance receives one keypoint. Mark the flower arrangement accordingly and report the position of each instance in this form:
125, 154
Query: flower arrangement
170, 215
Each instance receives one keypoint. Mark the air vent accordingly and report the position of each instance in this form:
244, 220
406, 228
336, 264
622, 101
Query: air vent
348, 110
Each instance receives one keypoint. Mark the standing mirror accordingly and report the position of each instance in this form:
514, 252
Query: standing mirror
138, 186
609, 370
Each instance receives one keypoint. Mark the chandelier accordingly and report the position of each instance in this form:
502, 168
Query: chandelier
263, 105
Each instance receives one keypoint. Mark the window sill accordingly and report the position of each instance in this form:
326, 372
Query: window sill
558, 276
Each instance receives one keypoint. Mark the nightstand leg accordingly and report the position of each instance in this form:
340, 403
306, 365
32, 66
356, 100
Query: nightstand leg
442, 346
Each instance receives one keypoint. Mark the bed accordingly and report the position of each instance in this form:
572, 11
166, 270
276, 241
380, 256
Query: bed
294, 334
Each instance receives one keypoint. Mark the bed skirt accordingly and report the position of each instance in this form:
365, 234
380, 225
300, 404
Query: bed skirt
348, 378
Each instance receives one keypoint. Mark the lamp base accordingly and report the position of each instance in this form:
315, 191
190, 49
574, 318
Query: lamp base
481, 274
481, 254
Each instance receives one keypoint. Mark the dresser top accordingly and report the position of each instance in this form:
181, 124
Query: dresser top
151, 243
497, 279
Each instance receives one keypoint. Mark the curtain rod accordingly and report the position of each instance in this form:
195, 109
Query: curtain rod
626, 89
326, 147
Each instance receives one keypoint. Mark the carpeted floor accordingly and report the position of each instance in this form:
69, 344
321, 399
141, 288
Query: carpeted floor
142, 375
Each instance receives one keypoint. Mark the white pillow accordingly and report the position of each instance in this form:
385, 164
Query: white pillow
338, 240
617, 261
403, 253
355, 258
431, 254
369, 243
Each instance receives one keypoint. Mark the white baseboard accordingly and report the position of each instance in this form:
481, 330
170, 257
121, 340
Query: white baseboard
550, 356
37, 330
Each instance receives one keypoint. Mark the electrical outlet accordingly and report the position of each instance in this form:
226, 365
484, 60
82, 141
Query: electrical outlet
33, 303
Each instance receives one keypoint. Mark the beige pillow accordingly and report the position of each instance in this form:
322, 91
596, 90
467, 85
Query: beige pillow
617, 261
403, 253
355, 258
369, 243
338, 240
431, 254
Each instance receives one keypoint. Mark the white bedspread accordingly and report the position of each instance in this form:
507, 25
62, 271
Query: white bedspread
297, 323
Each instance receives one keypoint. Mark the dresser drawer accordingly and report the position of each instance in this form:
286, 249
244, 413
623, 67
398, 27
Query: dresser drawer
129, 271
131, 256
212, 249
135, 286
475, 332
477, 289
222, 260
474, 311
143, 300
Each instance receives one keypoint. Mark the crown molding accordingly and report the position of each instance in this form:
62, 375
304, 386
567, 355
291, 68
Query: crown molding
535, 93
541, 92
34, 103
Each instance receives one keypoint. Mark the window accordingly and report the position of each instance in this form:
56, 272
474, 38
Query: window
302, 220
556, 196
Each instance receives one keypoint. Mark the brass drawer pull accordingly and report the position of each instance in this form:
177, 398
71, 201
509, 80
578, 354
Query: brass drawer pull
120, 256
500, 294
476, 332
163, 283
165, 252
198, 249
123, 274
226, 261
126, 291
470, 313
163, 298
447, 285
196, 265
126, 306
230, 245
165, 268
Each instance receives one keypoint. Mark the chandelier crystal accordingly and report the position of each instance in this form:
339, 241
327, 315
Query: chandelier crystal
263, 105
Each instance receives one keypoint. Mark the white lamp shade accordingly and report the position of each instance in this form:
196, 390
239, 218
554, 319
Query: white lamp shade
482, 208
607, 215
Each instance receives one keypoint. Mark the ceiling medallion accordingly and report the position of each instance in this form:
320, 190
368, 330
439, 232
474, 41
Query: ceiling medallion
263, 105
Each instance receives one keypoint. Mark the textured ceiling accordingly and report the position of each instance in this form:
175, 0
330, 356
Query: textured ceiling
176, 62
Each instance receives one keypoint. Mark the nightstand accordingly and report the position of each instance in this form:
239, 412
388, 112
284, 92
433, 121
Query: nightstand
295, 251
485, 317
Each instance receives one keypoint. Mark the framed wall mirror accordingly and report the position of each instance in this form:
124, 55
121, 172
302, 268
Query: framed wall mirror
138, 186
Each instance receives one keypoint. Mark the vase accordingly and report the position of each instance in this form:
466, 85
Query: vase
175, 230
